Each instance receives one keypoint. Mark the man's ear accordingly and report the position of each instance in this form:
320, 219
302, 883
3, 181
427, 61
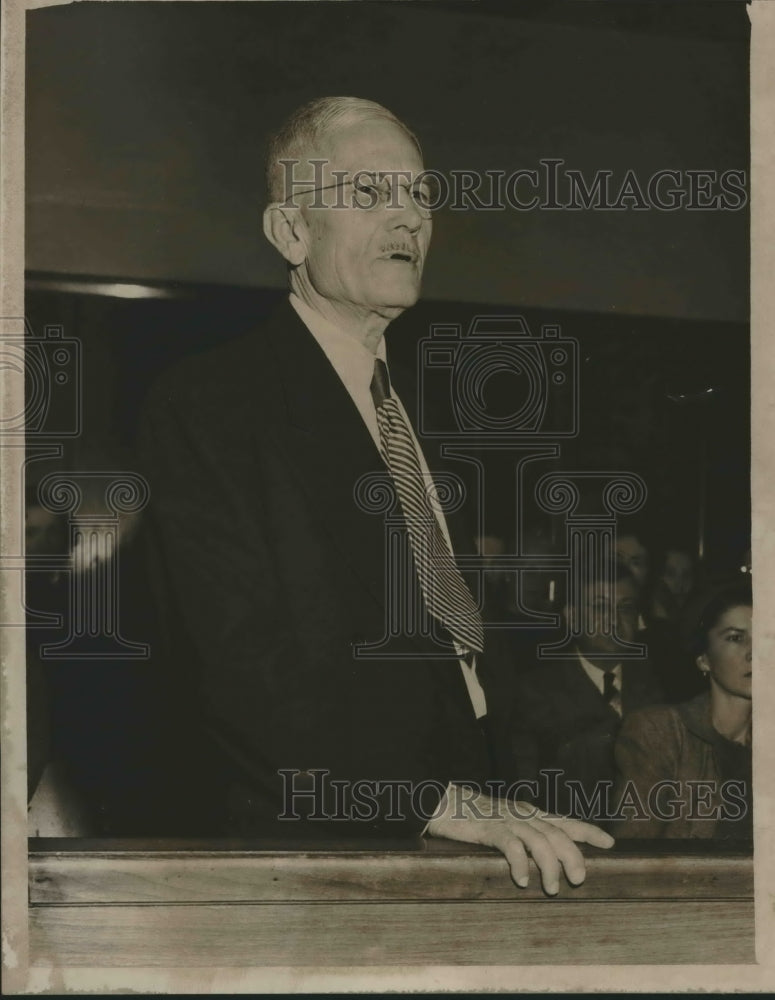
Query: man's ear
286, 230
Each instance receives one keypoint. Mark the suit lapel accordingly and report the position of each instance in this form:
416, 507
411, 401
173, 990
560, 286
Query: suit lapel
585, 694
329, 446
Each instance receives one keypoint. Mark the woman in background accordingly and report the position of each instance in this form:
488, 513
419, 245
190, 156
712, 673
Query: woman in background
705, 740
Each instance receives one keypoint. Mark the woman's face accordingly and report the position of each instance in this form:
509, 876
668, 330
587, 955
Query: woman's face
728, 656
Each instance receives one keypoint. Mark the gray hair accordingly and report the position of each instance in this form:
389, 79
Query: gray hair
303, 134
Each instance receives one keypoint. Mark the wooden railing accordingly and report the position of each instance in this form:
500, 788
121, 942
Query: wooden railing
229, 903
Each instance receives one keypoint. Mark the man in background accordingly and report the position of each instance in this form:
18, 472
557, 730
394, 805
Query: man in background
569, 711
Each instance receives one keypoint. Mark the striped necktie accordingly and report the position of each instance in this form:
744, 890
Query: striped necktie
446, 595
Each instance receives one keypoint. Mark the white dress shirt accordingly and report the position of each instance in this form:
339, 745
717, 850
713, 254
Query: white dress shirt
353, 362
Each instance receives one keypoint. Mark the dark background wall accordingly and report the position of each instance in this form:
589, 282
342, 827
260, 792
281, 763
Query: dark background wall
146, 124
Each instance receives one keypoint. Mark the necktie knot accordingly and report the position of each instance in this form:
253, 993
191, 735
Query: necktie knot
380, 383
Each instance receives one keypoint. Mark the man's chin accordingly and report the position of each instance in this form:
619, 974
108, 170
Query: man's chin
396, 304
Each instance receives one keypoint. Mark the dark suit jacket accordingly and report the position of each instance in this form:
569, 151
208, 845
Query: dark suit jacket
561, 721
269, 574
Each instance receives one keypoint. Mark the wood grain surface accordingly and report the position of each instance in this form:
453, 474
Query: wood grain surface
171, 905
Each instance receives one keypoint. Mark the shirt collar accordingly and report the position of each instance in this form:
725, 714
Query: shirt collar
595, 674
352, 360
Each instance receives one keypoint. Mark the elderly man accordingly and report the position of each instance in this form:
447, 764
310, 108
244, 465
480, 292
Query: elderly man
276, 578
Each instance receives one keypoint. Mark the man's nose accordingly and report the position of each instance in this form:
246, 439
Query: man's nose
406, 214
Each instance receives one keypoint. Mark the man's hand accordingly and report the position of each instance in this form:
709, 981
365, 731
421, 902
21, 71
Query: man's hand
517, 830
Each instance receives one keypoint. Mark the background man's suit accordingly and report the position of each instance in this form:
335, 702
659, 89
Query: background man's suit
562, 721
269, 574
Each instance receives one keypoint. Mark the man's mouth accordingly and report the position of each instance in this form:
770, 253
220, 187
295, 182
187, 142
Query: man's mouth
400, 252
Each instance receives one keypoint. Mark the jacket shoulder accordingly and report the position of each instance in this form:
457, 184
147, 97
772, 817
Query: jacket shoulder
658, 721
548, 686
220, 372
239, 380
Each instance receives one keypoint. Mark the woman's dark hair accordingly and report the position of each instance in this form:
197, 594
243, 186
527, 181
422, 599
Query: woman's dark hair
704, 612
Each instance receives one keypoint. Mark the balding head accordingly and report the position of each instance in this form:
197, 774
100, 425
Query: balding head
309, 132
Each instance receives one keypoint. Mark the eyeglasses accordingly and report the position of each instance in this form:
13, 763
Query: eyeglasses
377, 190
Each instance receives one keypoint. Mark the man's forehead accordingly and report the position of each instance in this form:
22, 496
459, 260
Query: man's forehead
372, 146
